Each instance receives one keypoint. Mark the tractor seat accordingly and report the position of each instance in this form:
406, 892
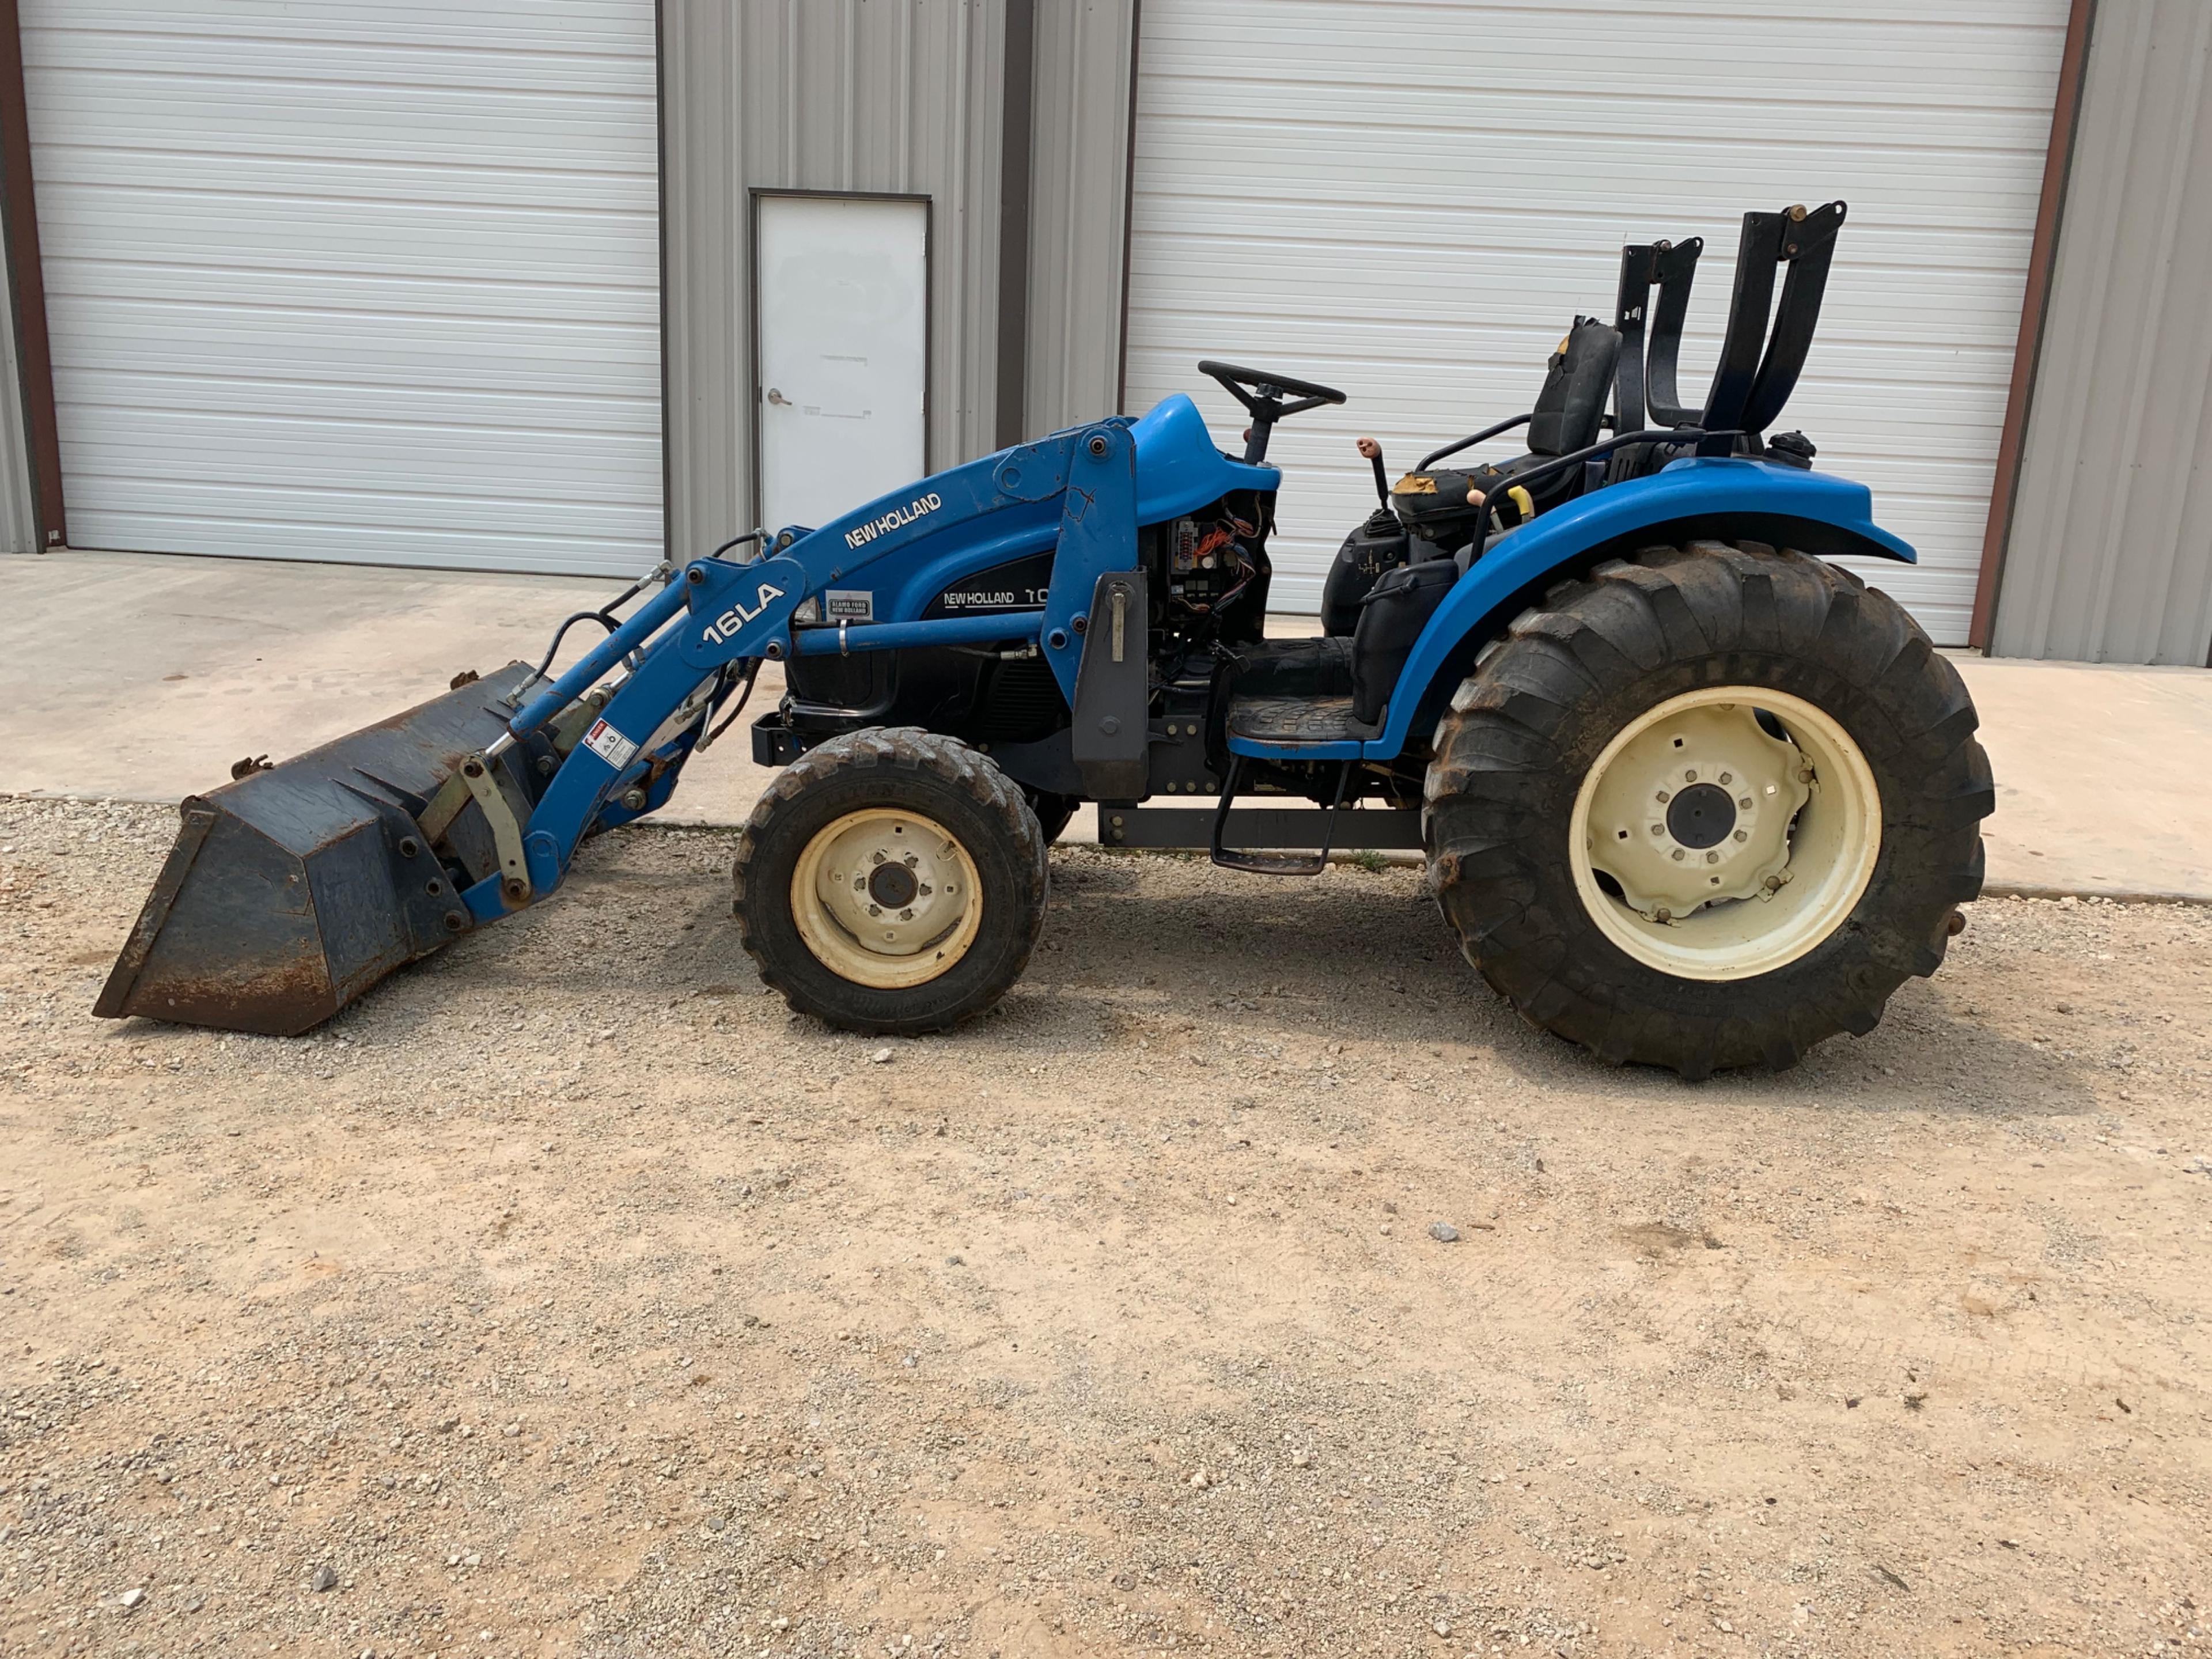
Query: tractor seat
1437, 506
1569, 412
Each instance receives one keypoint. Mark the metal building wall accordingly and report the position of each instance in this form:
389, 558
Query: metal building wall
19, 518
887, 95
1078, 209
2110, 557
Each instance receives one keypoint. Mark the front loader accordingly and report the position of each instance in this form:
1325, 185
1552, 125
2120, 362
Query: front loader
1690, 793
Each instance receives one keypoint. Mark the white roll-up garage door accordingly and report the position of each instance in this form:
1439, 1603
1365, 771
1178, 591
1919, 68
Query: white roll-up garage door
1412, 201
365, 282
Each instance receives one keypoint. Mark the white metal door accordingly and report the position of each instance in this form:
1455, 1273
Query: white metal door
375, 283
842, 289
1410, 201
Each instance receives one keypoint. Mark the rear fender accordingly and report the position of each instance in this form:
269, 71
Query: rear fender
1693, 498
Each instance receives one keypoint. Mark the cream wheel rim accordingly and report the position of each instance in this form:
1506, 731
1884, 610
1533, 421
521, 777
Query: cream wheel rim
1712, 843
886, 898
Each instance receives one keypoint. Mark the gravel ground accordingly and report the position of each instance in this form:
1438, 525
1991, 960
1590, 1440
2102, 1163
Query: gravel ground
1253, 1282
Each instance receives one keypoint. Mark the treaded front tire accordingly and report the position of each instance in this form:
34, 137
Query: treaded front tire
845, 802
1052, 811
1577, 673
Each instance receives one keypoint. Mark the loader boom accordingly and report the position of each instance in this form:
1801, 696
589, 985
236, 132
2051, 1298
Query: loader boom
717, 612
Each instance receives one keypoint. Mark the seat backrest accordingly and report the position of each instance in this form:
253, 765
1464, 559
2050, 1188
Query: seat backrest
1575, 384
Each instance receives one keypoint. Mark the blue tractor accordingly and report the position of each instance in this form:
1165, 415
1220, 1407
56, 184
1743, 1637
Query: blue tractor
1690, 793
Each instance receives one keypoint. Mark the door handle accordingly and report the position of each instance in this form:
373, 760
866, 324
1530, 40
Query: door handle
776, 397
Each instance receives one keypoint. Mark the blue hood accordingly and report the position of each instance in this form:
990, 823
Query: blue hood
1179, 470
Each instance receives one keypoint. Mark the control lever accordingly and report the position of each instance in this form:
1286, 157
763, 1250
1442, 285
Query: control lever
1373, 451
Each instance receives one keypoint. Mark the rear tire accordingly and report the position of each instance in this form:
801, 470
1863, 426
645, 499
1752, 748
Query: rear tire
1624, 920
890, 881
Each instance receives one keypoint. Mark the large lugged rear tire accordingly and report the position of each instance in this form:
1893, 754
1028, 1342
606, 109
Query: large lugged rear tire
891, 881
1707, 808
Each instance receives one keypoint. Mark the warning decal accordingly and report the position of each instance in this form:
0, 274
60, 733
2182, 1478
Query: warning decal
610, 745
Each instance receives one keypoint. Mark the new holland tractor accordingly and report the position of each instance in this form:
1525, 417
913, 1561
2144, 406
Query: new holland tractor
1690, 793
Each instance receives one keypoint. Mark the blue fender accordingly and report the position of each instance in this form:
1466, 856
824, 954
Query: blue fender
1815, 512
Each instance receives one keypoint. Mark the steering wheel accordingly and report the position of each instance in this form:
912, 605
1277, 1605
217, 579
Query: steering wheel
1264, 403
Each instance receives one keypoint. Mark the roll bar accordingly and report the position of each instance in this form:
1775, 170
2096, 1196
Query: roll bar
1758, 365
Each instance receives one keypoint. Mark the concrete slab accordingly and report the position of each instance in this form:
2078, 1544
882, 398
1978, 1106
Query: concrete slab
2104, 777
143, 676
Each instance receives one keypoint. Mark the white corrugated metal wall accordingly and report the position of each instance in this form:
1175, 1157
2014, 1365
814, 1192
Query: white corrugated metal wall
377, 283
1410, 200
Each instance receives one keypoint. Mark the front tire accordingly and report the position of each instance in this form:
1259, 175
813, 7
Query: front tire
890, 881
1707, 808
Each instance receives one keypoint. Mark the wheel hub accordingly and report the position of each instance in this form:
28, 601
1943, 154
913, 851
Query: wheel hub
1701, 816
886, 897
893, 885
1725, 832
1696, 808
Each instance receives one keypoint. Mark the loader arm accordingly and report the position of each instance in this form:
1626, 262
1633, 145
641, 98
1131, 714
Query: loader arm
716, 612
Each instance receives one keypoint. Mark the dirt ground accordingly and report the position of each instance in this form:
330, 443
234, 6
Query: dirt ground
571, 1296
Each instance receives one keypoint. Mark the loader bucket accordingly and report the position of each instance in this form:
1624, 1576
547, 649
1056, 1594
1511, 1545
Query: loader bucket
292, 890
